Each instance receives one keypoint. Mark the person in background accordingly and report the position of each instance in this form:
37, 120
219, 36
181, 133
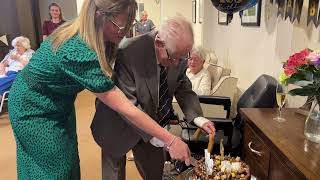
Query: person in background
198, 75
41, 99
56, 19
149, 69
14, 62
145, 25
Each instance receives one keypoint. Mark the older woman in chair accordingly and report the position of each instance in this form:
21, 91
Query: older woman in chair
198, 75
14, 61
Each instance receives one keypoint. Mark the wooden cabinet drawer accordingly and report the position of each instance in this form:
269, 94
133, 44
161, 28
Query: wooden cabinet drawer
280, 171
256, 153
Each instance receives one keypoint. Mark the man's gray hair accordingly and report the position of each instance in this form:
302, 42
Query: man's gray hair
175, 31
25, 42
200, 51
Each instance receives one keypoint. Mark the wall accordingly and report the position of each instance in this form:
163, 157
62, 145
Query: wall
252, 51
170, 8
8, 17
26, 21
166, 8
79, 5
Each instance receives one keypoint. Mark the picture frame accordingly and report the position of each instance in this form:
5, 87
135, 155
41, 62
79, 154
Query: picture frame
252, 16
194, 11
222, 18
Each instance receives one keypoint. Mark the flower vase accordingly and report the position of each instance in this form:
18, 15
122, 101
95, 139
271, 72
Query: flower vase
312, 124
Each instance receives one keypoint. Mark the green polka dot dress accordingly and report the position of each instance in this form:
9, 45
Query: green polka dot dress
41, 108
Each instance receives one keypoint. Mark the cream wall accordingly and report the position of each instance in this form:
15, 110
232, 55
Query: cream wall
171, 8
252, 51
79, 5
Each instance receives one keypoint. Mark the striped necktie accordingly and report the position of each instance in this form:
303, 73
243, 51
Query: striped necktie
164, 101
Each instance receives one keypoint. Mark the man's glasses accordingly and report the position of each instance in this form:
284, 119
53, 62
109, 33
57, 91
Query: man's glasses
186, 57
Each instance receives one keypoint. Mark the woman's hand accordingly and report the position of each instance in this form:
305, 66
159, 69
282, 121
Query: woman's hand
179, 150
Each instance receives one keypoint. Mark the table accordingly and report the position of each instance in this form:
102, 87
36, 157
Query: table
276, 150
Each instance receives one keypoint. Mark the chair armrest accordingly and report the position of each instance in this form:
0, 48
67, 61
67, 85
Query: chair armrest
217, 100
221, 123
221, 120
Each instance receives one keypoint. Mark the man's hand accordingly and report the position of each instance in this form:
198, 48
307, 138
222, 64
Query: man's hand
209, 127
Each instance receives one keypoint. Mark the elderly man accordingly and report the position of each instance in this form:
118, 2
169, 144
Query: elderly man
150, 70
145, 25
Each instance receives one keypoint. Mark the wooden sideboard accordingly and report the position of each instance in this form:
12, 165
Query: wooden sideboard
276, 150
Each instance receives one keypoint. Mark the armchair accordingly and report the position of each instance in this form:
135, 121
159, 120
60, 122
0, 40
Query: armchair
223, 84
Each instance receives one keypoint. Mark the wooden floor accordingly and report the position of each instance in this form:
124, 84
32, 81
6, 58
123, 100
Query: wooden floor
90, 155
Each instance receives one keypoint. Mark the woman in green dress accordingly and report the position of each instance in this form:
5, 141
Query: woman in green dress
73, 58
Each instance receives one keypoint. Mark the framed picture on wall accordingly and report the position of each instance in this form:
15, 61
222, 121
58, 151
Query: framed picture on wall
251, 16
194, 10
222, 18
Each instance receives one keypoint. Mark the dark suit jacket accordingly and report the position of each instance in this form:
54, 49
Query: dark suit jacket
135, 73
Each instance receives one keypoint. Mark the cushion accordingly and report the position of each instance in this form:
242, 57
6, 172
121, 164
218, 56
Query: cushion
215, 73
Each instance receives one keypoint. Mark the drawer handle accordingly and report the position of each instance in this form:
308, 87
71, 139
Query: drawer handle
254, 151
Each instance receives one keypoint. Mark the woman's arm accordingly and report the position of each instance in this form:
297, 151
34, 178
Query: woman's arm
116, 100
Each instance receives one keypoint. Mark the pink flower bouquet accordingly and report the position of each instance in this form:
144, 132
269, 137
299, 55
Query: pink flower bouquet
303, 69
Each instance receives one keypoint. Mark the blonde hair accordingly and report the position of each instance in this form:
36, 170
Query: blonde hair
176, 30
25, 42
90, 24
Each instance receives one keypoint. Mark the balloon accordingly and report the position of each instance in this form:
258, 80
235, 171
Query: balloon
232, 6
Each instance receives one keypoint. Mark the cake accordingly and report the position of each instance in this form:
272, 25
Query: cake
224, 169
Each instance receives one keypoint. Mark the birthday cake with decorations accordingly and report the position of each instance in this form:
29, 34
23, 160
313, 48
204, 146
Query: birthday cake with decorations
218, 167
221, 168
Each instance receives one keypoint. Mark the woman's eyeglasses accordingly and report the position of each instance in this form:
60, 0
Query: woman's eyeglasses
120, 28
108, 15
186, 57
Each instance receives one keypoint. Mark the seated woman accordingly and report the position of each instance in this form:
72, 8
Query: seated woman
14, 61
198, 75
